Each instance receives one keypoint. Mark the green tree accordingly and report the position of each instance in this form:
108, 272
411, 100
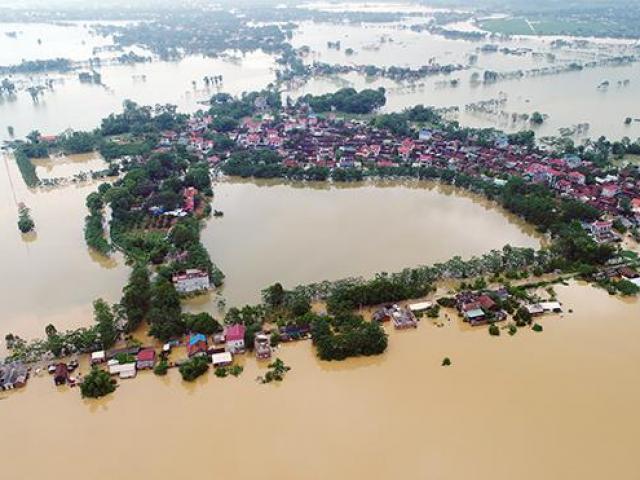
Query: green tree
193, 368
165, 311
97, 383
136, 298
106, 324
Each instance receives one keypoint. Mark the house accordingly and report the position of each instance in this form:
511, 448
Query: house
197, 345
126, 351
146, 358
383, 314
425, 134
601, 230
610, 190
403, 318
123, 370
14, 375
475, 316
190, 199
534, 309
551, 307
98, 357
262, 346
487, 303
61, 374
628, 273
235, 338
192, 280
577, 178
223, 359
420, 307
293, 332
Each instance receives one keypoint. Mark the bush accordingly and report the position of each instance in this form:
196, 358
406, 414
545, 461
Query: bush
236, 370
221, 372
25, 222
192, 369
447, 302
446, 362
97, 384
537, 327
161, 368
494, 330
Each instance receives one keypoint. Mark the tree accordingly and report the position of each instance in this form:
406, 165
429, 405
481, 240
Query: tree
193, 368
537, 118
136, 298
161, 368
165, 311
97, 383
274, 295
106, 324
201, 323
276, 372
25, 222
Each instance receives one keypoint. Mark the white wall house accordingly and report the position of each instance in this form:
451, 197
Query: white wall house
193, 280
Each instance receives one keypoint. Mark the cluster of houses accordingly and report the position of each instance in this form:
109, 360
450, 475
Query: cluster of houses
479, 308
617, 272
221, 348
226, 344
304, 139
125, 362
401, 317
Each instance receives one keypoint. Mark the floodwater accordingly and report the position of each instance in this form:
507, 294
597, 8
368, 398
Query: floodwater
49, 276
147, 84
556, 405
64, 166
289, 233
300, 233
568, 99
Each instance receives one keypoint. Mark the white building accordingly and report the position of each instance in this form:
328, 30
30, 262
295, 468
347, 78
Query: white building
192, 280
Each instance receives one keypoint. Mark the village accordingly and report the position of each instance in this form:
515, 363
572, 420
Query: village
305, 140
298, 140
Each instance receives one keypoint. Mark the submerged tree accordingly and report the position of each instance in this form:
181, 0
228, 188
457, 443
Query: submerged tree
25, 222
97, 384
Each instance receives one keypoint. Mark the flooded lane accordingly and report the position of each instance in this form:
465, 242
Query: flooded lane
556, 405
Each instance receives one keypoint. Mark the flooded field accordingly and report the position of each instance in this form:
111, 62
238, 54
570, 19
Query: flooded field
558, 404
300, 233
568, 98
50, 276
147, 84
65, 166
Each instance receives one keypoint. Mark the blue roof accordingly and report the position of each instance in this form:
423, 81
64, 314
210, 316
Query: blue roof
198, 337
